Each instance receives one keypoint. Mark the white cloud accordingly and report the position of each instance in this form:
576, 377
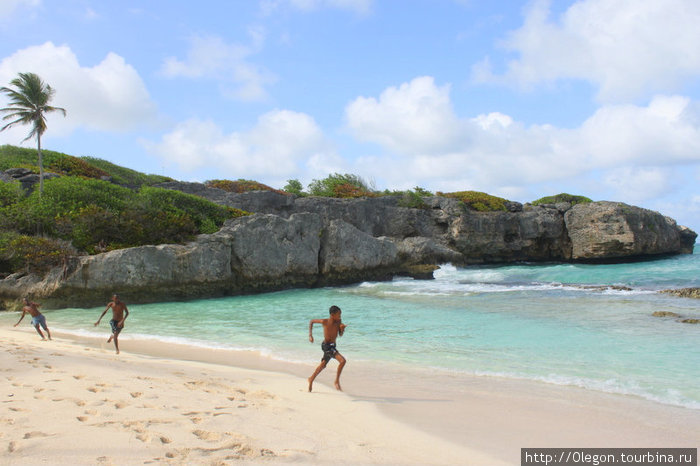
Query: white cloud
417, 127
8, 7
639, 184
358, 6
109, 96
211, 57
415, 117
276, 147
628, 48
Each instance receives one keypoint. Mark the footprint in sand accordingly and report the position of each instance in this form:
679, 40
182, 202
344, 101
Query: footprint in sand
144, 437
165, 440
78, 377
120, 405
135, 394
207, 435
94, 389
80, 403
12, 446
263, 395
82, 418
35, 434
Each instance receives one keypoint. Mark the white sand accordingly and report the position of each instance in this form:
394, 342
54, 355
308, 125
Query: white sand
68, 401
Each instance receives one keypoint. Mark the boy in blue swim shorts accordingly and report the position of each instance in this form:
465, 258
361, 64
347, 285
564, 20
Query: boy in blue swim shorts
38, 318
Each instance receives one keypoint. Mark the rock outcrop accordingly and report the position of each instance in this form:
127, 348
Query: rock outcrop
304, 242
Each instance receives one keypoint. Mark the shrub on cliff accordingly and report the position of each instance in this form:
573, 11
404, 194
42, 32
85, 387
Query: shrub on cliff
24, 253
97, 216
240, 186
294, 187
343, 186
412, 198
478, 201
126, 176
10, 193
563, 197
88, 167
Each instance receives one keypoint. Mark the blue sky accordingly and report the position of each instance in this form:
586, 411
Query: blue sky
519, 99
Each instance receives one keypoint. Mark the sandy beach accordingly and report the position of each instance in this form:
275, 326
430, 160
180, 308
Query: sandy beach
76, 401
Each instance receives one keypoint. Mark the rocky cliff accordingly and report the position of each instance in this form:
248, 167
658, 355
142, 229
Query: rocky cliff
303, 242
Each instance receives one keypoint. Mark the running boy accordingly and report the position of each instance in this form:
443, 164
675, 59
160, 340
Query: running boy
332, 328
38, 318
119, 315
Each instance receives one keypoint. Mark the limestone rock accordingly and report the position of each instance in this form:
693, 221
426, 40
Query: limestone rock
613, 230
684, 292
346, 250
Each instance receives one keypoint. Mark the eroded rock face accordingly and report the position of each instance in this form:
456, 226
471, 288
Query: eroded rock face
299, 242
349, 254
613, 230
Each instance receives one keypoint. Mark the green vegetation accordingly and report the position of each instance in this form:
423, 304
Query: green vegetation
294, 187
29, 102
563, 197
481, 202
411, 198
343, 186
78, 215
240, 186
67, 165
125, 176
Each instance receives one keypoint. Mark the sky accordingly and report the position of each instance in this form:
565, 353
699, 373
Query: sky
519, 99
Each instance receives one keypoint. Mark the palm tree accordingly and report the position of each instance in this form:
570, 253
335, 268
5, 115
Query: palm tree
29, 101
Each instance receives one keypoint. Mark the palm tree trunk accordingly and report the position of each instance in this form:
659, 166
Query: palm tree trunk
41, 165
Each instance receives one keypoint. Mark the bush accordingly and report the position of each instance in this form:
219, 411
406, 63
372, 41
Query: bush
563, 197
294, 187
31, 253
10, 193
338, 185
125, 176
208, 216
478, 201
240, 186
73, 166
411, 198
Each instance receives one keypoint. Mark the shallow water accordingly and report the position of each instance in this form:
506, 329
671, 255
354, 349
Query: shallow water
538, 322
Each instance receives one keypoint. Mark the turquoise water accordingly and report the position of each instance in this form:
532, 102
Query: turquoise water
535, 322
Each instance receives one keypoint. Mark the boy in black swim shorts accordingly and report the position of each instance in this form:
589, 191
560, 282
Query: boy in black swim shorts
119, 315
332, 328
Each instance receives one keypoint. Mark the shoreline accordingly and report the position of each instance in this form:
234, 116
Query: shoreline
489, 418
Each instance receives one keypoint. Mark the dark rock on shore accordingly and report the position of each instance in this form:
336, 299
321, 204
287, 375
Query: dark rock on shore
684, 292
665, 314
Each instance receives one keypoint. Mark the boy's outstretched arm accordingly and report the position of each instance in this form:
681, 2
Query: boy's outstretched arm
103, 314
21, 317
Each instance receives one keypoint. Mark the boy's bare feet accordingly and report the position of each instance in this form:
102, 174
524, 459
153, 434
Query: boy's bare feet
311, 382
337, 386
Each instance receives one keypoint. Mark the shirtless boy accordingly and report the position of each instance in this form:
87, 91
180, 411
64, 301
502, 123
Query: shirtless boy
119, 315
38, 318
332, 328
